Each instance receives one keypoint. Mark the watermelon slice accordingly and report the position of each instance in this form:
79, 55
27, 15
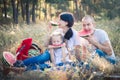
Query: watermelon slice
54, 23
8, 58
57, 45
84, 33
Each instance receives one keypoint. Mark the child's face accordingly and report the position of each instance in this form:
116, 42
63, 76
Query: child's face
87, 25
56, 40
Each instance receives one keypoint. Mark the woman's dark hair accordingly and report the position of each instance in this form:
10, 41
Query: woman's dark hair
68, 34
68, 17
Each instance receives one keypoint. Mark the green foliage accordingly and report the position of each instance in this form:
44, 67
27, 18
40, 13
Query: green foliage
103, 8
6, 40
55, 1
4, 22
110, 8
61, 4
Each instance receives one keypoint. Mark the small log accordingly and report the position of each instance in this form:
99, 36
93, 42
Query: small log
112, 77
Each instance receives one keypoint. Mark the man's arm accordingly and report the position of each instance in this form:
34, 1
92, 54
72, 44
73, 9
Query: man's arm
106, 46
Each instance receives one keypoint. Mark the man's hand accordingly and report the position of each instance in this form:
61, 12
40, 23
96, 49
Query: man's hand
91, 40
106, 46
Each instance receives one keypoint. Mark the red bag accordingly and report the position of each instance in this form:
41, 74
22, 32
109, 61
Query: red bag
22, 50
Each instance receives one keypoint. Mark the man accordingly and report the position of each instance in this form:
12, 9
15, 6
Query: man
97, 38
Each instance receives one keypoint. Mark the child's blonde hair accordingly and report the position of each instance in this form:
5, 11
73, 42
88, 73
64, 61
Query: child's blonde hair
55, 33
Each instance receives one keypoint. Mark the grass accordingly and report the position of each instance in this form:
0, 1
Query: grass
11, 36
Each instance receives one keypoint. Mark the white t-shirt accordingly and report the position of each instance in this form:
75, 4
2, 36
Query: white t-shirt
58, 55
74, 40
101, 36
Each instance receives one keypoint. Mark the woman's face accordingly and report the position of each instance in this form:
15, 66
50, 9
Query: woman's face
62, 24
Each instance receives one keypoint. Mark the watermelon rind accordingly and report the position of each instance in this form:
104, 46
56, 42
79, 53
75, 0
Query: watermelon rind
6, 61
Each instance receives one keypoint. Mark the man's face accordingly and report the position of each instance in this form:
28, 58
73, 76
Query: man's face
87, 25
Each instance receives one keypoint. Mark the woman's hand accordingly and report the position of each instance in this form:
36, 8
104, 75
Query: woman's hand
49, 28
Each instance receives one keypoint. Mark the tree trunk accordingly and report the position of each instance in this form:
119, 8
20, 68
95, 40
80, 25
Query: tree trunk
27, 12
45, 11
5, 8
33, 12
23, 10
40, 11
14, 10
77, 10
17, 11
50, 11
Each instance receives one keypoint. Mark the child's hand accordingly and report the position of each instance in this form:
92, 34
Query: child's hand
50, 46
63, 45
53, 46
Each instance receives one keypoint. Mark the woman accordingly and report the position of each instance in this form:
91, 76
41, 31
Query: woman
72, 39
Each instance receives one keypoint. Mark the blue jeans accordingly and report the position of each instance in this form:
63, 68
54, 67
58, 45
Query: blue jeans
40, 59
103, 54
37, 67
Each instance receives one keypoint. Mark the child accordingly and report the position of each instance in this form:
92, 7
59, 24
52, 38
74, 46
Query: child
59, 54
